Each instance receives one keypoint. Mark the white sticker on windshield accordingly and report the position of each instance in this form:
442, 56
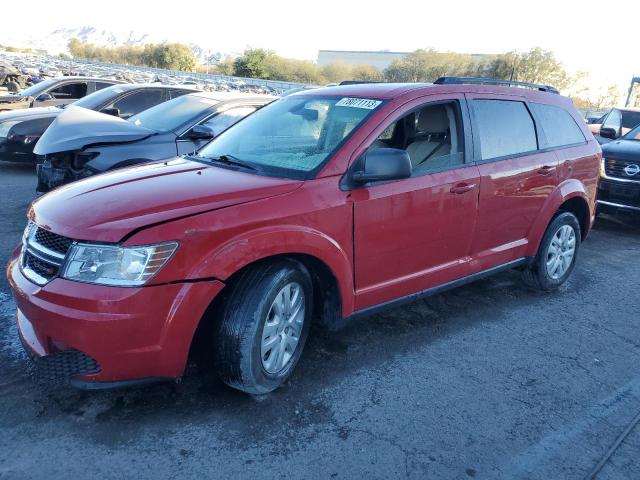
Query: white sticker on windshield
365, 103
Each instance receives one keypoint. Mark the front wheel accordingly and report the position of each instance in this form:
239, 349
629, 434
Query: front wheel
263, 325
556, 255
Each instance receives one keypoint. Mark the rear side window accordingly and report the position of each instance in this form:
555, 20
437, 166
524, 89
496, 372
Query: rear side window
559, 126
505, 128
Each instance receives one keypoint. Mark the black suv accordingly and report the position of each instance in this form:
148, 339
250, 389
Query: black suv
620, 175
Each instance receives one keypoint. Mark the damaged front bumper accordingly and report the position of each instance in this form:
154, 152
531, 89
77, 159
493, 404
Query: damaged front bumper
53, 172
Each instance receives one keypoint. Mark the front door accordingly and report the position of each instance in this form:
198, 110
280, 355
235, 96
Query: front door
413, 234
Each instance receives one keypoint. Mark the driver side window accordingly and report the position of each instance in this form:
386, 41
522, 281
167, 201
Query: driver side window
431, 135
69, 91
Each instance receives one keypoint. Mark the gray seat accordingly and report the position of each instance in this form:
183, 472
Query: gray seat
432, 136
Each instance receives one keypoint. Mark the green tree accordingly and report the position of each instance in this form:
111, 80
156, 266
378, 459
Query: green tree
336, 72
426, 65
254, 63
175, 56
536, 65
367, 73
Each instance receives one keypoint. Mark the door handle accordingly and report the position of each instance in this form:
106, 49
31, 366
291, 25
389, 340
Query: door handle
463, 188
546, 170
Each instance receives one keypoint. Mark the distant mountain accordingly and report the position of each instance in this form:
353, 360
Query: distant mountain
56, 41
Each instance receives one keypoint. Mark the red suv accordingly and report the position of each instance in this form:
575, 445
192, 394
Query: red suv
325, 205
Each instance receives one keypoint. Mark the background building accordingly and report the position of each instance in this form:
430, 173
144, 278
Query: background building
380, 59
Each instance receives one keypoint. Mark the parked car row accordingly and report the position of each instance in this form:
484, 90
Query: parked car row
27, 70
321, 206
53, 92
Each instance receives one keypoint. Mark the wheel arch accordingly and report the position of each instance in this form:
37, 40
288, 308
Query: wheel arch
570, 196
329, 264
327, 299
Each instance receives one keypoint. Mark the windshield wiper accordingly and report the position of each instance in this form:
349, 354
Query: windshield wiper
229, 160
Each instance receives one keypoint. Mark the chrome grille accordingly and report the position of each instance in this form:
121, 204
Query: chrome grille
52, 241
615, 168
43, 254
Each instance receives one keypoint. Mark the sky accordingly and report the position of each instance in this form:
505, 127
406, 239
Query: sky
593, 36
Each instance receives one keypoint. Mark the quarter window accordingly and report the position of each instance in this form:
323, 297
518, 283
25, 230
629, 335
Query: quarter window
559, 126
505, 128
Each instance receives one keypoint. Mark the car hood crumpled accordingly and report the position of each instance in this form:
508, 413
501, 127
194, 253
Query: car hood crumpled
77, 128
108, 207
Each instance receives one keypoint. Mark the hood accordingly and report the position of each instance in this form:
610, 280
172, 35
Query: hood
77, 128
622, 150
109, 206
29, 114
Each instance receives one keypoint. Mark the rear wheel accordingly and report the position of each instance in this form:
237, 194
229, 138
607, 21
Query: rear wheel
556, 255
263, 325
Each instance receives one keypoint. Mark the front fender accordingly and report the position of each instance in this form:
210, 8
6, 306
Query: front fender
566, 190
262, 243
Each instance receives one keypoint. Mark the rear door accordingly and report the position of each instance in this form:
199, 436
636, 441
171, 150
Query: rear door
515, 177
414, 234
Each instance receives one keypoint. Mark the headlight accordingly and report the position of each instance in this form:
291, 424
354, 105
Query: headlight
5, 127
115, 265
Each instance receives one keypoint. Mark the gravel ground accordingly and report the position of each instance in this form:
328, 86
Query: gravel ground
488, 381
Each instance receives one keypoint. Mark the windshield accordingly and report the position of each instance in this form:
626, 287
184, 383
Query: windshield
633, 134
38, 88
293, 136
171, 115
99, 98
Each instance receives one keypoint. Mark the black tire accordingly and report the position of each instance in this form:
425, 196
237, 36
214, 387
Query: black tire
536, 274
240, 323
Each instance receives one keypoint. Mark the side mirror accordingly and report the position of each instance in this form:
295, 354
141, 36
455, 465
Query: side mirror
608, 132
381, 164
201, 132
111, 111
44, 97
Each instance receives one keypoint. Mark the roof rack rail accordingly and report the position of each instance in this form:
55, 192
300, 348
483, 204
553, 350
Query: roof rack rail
494, 81
357, 82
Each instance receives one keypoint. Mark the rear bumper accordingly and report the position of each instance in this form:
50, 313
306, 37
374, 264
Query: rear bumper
93, 334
